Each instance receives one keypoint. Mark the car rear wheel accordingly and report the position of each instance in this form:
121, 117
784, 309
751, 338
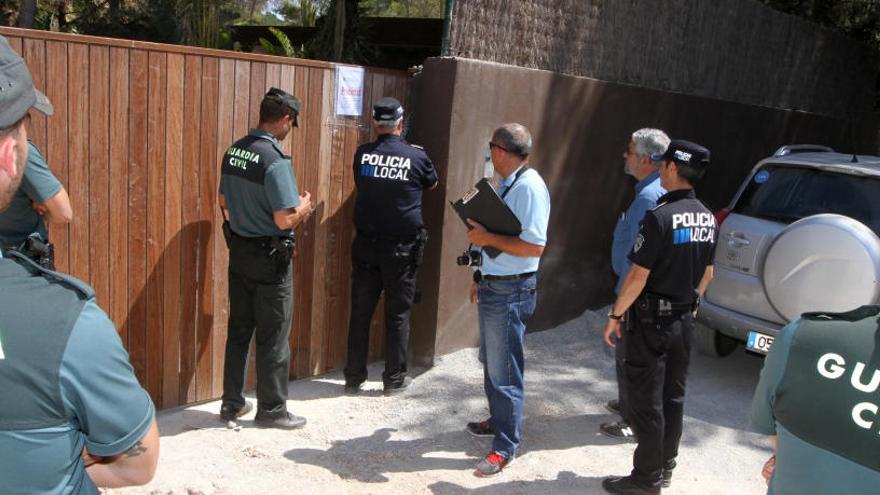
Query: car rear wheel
712, 343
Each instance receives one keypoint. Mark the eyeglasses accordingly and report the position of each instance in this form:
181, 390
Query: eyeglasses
493, 145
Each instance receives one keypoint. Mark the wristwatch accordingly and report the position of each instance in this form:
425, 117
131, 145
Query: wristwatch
614, 316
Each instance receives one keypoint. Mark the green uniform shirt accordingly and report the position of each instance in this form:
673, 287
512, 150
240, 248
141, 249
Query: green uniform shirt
37, 185
101, 407
256, 180
801, 467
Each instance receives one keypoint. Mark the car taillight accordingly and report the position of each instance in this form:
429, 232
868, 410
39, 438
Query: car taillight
721, 215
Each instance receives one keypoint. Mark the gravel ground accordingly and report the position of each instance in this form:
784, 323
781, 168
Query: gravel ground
415, 443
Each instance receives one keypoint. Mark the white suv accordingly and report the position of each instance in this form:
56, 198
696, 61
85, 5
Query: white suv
801, 234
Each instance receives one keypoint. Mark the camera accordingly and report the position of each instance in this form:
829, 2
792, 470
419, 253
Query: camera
470, 258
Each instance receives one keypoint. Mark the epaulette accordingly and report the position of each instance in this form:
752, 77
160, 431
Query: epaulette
658, 205
84, 290
417, 147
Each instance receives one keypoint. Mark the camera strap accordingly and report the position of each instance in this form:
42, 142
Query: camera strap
515, 178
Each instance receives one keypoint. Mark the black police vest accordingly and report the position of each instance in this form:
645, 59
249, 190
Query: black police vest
829, 395
37, 313
249, 157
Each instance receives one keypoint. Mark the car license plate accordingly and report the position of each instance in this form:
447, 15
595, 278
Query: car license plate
759, 342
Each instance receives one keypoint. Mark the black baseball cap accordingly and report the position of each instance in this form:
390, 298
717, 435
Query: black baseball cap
685, 154
288, 100
387, 109
17, 92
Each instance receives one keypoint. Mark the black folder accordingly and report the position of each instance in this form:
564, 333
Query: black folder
482, 204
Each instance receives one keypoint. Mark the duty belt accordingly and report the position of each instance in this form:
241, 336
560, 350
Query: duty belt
664, 306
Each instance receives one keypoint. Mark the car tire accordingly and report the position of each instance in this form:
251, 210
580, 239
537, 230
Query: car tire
712, 343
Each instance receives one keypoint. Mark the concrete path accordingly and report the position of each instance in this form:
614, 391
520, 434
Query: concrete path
415, 443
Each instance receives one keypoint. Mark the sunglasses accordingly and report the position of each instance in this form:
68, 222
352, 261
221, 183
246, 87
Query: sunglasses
493, 145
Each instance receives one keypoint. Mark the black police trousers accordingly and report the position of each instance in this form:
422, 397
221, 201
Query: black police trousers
620, 370
380, 265
656, 366
260, 301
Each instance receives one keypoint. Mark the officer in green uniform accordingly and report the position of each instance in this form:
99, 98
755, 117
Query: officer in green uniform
259, 196
40, 199
72, 414
819, 399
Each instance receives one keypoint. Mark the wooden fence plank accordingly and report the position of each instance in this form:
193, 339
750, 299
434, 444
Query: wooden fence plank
191, 251
57, 143
138, 132
318, 151
119, 172
225, 128
99, 173
257, 90
207, 207
78, 148
34, 53
155, 222
171, 334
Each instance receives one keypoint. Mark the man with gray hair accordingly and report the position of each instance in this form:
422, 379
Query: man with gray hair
637, 163
390, 176
504, 289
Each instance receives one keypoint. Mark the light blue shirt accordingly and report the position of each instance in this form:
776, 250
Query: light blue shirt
648, 190
530, 202
801, 468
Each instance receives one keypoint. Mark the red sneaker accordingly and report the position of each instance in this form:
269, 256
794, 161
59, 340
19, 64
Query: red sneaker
491, 465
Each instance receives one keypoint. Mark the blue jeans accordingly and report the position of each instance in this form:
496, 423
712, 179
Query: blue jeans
504, 308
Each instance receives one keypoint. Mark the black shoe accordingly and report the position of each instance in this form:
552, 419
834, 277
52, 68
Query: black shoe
481, 429
228, 412
668, 466
613, 407
352, 388
620, 430
391, 388
284, 421
626, 485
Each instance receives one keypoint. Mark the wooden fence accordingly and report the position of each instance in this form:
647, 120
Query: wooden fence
136, 139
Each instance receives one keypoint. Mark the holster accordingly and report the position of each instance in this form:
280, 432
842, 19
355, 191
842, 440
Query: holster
419, 246
282, 252
227, 234
42, 252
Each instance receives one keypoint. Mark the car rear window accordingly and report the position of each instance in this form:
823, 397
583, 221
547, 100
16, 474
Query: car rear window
785, 194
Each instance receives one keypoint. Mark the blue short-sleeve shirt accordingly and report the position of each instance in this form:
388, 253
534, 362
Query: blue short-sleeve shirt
38, 185
107, 412
529, 200
648, 191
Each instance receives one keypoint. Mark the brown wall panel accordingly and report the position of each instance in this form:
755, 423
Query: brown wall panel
136, 139
580, 128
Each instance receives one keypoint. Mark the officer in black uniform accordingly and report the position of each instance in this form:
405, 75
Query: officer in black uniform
390, 176
259, 193
671, 266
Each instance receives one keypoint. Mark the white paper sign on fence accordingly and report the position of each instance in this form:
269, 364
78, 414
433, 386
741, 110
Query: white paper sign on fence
349, 90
